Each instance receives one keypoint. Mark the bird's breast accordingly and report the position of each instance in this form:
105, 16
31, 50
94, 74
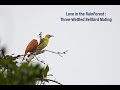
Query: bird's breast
43, 44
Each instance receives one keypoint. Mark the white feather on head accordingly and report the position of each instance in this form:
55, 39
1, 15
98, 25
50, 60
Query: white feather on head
37, 38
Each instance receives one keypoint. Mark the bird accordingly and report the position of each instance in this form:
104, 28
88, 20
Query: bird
44, 42
32, 46
37, 44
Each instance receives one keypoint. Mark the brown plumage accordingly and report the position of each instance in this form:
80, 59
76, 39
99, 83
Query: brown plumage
32, 46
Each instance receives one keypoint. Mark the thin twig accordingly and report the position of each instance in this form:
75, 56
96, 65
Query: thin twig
53, 81
39, 60
59, 53
50, 75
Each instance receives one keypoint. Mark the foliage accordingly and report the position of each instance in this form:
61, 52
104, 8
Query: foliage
25, 74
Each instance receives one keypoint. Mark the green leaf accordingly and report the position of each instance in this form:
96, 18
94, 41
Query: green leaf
46, 71
25, 74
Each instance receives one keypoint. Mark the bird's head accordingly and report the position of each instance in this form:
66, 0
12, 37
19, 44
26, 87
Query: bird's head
38, 37
40, 34
48, 36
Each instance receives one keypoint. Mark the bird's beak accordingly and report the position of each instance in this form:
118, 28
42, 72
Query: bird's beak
51, 36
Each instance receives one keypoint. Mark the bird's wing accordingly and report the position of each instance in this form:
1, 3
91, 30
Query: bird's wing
32, 46
41, 41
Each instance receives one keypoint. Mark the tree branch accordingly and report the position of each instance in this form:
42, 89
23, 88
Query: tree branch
59, 53
52, 81
39, 52
39, 60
